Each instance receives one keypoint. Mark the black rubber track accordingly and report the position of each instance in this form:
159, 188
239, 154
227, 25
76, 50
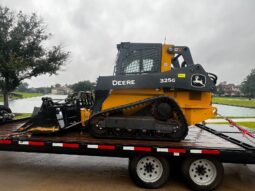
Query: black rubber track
180, 135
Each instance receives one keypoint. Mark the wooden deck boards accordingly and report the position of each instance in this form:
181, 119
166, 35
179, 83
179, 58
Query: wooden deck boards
197, 138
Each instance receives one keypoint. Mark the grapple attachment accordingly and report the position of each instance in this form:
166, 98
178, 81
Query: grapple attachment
53, 116
44, 119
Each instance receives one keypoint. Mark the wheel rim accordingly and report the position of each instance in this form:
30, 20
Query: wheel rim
149, 169
202, 172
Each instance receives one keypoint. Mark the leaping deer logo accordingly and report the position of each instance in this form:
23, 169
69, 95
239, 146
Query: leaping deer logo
198, 80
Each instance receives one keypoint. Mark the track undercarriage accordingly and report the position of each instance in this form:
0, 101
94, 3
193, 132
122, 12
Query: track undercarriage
159, 119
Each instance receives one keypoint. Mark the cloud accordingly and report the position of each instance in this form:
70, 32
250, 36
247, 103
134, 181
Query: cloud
220, 33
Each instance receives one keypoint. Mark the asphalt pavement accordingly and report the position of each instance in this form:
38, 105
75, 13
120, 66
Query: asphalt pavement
51, 172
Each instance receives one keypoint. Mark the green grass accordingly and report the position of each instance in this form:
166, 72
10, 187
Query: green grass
21, 95
28, 95
244, 124
22, 115
244, 102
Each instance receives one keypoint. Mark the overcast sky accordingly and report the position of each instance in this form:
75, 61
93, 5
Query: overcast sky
220, 33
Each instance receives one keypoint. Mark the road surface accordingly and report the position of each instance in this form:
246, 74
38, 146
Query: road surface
51, 172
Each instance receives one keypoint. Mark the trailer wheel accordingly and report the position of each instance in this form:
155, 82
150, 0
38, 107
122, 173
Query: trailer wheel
202, 174
149, 171
4, 111
5, 108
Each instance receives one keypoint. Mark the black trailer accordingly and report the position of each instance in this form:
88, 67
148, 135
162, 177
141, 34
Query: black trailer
201, 154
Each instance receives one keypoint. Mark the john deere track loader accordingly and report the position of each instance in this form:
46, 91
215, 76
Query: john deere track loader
156, 92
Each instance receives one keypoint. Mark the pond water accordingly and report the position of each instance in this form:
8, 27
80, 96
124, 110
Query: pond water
27, 106
227, 110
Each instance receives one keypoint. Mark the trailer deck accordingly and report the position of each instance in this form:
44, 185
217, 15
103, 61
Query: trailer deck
221, 141
196, 138
201, 154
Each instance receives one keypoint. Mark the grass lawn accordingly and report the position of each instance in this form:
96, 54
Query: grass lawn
22, 115
28, 95
244, 124
22, 95
244, 102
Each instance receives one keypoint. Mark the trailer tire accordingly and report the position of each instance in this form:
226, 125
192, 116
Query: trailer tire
149, 171
202, 174
4, 110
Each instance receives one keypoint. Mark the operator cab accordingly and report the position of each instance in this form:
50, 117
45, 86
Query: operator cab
138, 58
144, 58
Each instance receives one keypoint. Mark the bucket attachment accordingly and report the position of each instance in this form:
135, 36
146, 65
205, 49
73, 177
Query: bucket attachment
53, 116
45, 120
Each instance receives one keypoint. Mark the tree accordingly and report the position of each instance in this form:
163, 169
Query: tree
57, 85
220, 90
22, 53
83, 86
248, 85
23, 87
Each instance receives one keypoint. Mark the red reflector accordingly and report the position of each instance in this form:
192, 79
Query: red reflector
146, 149
211, 152
5, 142
70, 145
106, 147
34, 143
176, 150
